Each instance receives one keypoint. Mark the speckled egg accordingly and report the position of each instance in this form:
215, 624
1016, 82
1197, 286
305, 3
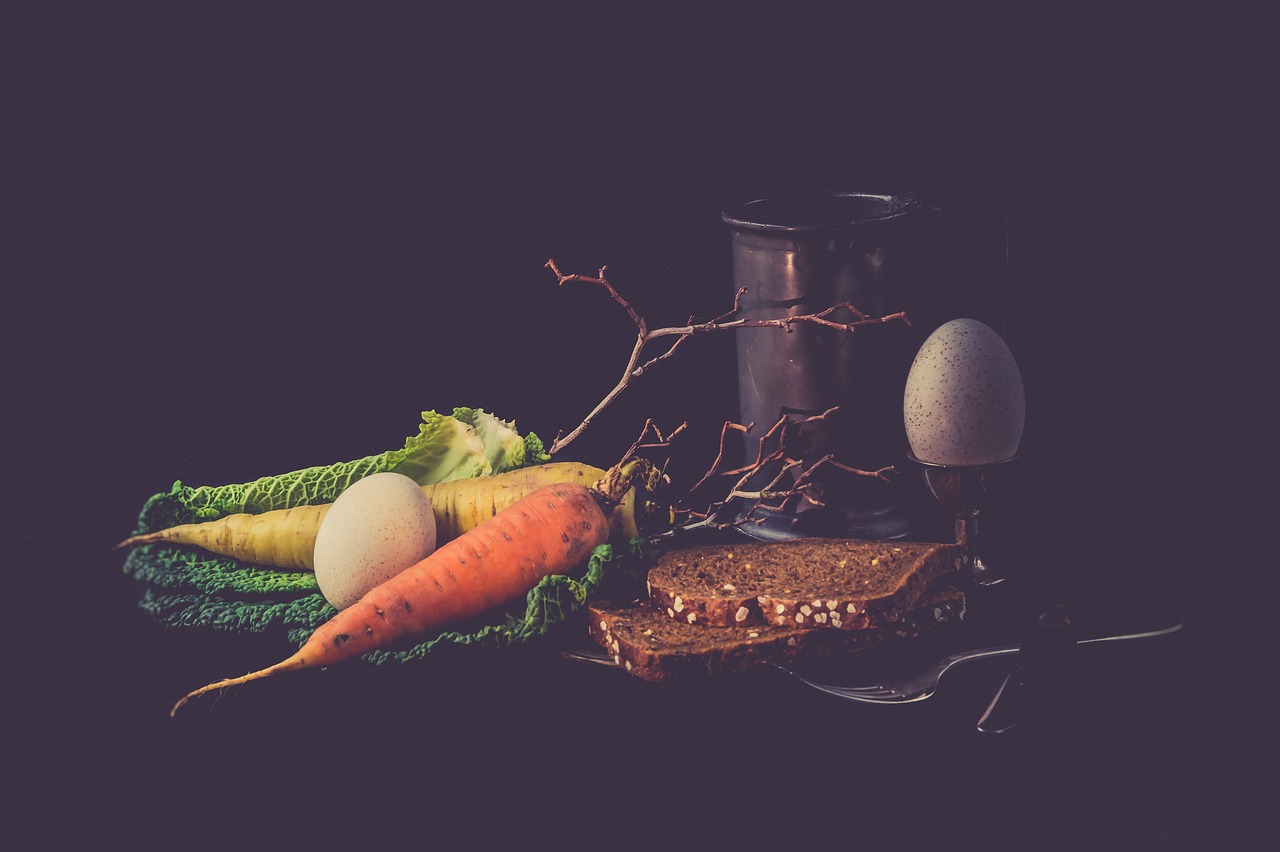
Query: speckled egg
376, 528
964, 402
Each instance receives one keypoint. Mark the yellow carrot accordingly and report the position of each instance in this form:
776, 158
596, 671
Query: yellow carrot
285, 538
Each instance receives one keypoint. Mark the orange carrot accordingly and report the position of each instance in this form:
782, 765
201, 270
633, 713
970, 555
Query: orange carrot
551, 531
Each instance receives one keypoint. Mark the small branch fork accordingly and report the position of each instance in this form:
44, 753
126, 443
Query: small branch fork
658, 441
636, 367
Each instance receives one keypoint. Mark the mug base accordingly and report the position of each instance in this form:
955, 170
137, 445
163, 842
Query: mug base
878, 523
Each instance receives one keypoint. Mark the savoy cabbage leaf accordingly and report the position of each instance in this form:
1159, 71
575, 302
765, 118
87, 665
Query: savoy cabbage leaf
445, 448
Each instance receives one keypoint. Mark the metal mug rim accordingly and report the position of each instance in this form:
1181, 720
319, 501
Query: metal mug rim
738, 215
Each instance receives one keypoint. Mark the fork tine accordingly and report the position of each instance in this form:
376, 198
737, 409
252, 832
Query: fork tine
872, 693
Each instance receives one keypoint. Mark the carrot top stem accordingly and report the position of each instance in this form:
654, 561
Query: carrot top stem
642, 477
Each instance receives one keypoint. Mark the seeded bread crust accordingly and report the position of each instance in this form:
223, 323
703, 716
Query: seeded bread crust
647, 643
847, 584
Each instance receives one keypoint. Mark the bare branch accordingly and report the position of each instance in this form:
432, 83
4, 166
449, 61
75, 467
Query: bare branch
793, 482
724, 431
635, 367
601, 281
659, 441
881, 474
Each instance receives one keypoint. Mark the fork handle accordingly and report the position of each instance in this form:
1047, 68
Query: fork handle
976, 654
1038, 663
860, 694
1006, 650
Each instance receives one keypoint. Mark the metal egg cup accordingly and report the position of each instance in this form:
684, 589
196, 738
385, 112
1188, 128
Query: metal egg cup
964, 491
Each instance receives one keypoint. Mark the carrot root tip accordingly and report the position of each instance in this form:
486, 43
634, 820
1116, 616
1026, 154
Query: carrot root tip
295, 662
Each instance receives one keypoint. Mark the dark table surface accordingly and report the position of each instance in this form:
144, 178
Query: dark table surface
237, 248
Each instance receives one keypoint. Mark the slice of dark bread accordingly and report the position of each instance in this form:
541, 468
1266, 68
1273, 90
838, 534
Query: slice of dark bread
849, 584
645, 641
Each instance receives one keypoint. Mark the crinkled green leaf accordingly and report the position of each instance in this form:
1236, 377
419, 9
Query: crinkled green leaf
237, 615
184, 590
193, 570
185, 587
444, 449
503, 446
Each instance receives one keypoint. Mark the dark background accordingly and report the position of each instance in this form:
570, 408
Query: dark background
253, 238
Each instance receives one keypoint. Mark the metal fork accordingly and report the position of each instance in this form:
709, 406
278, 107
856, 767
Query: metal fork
922, 685
584, 656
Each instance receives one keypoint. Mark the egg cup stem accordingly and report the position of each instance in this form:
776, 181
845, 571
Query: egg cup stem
963, 491
975, 569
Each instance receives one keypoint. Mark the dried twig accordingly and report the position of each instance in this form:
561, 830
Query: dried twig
636, 367
659, 440
794, 480
724, 432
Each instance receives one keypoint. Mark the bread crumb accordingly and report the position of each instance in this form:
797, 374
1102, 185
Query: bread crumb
835, 619
628, 665
729, 587
779, 609
852, 608
805, 609
679, 604
842, 563
692, 617
821, 618
875, 560
817, 604
780, 620
799, 618
831, 605
604, 625
741, 614
648, 631
671, 612
753, 635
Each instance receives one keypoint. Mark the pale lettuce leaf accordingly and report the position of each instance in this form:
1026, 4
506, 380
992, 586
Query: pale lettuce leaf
503, 446
445, 448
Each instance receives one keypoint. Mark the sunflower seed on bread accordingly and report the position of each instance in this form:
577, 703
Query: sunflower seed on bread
642, 639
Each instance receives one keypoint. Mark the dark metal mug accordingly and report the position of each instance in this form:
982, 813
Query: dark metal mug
800, 255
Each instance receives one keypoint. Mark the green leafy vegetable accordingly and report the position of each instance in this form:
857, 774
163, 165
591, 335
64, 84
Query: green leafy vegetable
503, 446
445, 448
186, 587
183, 590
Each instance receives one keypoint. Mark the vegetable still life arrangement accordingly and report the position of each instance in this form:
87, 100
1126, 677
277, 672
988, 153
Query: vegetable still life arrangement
551, 531
430, 547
